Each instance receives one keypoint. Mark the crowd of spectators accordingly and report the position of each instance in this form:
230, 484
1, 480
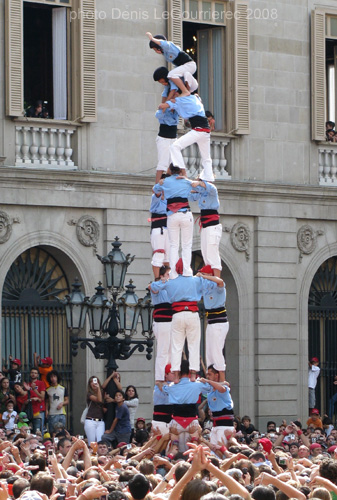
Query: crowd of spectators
284, 460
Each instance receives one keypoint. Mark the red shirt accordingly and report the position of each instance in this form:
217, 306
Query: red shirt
38, 405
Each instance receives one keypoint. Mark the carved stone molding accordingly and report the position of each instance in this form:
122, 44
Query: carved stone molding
307, 240
240, 237
6, 224
87, 230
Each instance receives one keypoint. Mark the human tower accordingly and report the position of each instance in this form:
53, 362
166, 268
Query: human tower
175, 291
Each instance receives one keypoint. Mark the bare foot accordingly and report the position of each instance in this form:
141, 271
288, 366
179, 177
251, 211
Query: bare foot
184, 94
193, 376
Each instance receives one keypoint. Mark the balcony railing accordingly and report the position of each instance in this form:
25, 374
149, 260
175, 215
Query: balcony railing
218, 154
47, 145
327, 164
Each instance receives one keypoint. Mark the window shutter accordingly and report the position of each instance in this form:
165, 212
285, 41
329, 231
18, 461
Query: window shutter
88, 91
175, 25
14, 57
241, 68
318, 78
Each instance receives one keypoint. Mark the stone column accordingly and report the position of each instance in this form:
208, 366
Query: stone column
276, 320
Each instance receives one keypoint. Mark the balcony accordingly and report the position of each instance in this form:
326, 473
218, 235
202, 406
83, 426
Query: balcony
218, 154
44, 144
327, 164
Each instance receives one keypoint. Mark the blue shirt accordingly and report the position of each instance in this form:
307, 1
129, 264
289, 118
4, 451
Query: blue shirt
187, 106
184, 288
207, 198
170, 50
215, 297
158, 206
160, 297
160, 397
167, 88
167, 118
172, 188
122, 414
186, 392
217, 401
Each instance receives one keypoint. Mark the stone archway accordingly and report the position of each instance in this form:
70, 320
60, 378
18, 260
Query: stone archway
322, 331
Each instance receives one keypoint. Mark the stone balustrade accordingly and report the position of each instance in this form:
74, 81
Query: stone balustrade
327, 164
193, 160
48, 145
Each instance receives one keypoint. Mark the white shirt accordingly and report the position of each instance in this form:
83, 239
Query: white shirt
313, 376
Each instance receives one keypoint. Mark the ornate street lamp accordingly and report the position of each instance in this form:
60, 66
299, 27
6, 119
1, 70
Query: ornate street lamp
104, 315
146, 310
128, 310
98, 310
76, 307
115, 264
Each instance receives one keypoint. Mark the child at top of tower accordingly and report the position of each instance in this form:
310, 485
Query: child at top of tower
173, 54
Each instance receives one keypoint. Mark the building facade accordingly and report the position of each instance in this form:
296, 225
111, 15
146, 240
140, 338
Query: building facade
73, 179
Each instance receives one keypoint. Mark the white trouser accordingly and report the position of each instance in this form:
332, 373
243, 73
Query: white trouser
192, 82
94, 430
180, 71
162, 427
162, 332
218, 435
180, 223
203, 140
215, 341
163, 151
160, 242
210, 240
185, 325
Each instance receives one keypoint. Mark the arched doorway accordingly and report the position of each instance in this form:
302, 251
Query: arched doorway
33, 320
323, 330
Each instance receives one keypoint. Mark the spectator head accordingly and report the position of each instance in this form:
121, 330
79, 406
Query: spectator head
271, 426
131, 392
195, 489
181, 470
314, 414
315, 449
328, 469
19, 486
293, 449
257, 457
321, 493
139, 486
117, 495
146, 467
246, 420
263, 493
43, 483
214, 495
34, 374
63, 446
53, 377
314, 361
40, 461
303, 451
329, 125
102, 448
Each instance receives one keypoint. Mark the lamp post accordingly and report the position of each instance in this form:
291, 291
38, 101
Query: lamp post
110, 317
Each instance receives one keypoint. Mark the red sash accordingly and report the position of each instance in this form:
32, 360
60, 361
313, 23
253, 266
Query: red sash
185, 306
